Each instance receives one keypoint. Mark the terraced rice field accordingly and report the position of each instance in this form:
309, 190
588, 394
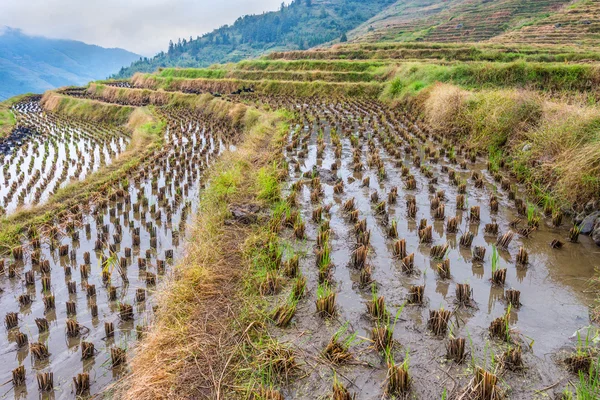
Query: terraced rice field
577, 23
46, 152
442, 52
410, 261
408, 266
453, 21
78, 292
475, 23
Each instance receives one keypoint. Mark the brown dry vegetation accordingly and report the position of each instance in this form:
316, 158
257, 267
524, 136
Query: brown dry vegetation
207, 103
86, 109
288, 88
117, 95
550, 144
192, 348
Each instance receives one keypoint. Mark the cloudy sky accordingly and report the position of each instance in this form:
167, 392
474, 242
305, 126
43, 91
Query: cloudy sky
141, 26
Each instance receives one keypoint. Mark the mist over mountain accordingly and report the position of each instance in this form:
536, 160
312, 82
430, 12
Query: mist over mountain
36, 64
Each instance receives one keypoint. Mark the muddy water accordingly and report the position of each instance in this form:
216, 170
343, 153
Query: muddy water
554, 285
46, 152
156, 204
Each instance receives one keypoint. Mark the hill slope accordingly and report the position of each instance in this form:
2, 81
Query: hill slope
577, 23
454, 20
301, 25
312, 23
36, 64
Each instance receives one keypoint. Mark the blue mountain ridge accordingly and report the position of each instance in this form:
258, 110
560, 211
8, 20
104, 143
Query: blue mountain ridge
36, 64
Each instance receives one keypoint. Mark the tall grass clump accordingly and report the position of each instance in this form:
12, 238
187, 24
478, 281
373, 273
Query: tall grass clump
587, 387
552, 146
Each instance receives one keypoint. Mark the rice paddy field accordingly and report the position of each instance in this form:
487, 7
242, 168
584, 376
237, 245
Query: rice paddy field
400, 260
418, 261
78, 291
47, 152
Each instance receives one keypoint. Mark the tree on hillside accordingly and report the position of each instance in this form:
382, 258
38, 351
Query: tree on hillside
344, 38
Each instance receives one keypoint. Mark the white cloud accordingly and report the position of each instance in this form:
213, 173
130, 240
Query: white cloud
141, 26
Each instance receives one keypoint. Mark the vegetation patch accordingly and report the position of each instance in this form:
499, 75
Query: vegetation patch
7, 118
287, 88
204, 317
552, 78
552, 146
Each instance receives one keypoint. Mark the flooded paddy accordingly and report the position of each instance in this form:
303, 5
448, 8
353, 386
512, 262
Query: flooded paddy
46, 152
393, 228
391, 222
78, 293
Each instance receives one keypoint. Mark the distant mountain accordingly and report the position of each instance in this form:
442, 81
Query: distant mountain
300, 25
36, 64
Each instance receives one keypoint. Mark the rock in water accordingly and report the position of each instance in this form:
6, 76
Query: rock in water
596, 236
587, 225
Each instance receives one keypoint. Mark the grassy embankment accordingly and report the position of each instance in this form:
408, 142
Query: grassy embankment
209, 327
7, 118
552, 78
552, 146
286, 88
557, 79
542, 117
443, 51
254, 75
308, 65
146, 130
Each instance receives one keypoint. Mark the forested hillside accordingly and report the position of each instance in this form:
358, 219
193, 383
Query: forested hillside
305, 24
300, 25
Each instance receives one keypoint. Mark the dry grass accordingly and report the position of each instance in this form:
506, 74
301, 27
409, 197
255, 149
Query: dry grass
552, 145
288, 88
191, 350
114, 94
446, 109
89, 110
235, 113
